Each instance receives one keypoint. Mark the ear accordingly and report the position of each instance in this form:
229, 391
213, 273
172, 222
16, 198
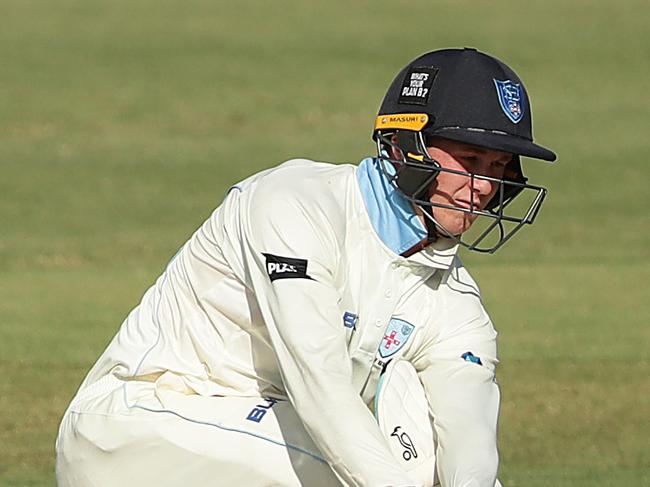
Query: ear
395, 153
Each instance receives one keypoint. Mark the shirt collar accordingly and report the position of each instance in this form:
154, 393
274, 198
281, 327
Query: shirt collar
394, 220
440, 254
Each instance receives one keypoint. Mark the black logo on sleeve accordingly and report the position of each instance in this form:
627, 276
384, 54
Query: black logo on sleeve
278, 267
416, 86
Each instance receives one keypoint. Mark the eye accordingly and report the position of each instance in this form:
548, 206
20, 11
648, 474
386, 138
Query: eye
469, 158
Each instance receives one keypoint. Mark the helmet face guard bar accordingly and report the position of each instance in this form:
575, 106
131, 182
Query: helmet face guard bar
415, 172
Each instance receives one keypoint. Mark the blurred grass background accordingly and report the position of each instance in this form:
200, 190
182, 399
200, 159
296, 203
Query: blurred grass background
122, 123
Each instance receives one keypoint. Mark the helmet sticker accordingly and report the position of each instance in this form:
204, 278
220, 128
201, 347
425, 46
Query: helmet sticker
407, 121
416, 86
510, 99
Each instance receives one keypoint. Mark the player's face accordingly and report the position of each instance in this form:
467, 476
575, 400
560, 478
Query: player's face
462, 191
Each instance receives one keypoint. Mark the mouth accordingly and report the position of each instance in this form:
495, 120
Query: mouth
467, 205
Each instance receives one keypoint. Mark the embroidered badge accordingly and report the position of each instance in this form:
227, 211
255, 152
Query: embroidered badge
350, 320
511, 99
395, 337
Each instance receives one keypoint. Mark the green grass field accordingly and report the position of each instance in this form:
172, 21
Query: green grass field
122, 123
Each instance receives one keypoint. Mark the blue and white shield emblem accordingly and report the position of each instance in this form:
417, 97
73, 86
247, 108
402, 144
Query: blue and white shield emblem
511, 99
395, 337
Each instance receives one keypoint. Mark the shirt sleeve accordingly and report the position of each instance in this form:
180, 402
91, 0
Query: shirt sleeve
457, 370
291, 256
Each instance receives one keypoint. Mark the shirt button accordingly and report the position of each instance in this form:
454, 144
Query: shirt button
394, 265
388, 293
377, 323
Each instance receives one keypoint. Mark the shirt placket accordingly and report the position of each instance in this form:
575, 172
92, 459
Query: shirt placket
379, 309
377, 364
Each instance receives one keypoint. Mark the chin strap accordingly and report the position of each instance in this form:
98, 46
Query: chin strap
432, 231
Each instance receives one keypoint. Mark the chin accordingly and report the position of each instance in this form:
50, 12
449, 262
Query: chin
454, 222
456, 226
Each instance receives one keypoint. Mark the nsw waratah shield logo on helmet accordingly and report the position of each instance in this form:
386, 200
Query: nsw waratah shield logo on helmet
511, 99
395, 337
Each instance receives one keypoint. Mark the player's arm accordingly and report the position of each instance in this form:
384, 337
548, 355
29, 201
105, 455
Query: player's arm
291, 256
457, 370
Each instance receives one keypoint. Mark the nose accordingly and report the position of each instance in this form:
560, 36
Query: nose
482, 186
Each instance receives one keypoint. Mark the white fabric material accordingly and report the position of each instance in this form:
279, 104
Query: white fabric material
402, 412
133, 433
217, 324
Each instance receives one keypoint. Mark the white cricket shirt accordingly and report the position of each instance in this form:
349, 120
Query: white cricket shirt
295, 288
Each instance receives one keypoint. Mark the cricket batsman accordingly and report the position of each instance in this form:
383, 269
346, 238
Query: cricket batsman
319, 328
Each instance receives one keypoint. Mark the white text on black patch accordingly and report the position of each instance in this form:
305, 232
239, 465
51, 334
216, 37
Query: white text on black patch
416, 85
279, 267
